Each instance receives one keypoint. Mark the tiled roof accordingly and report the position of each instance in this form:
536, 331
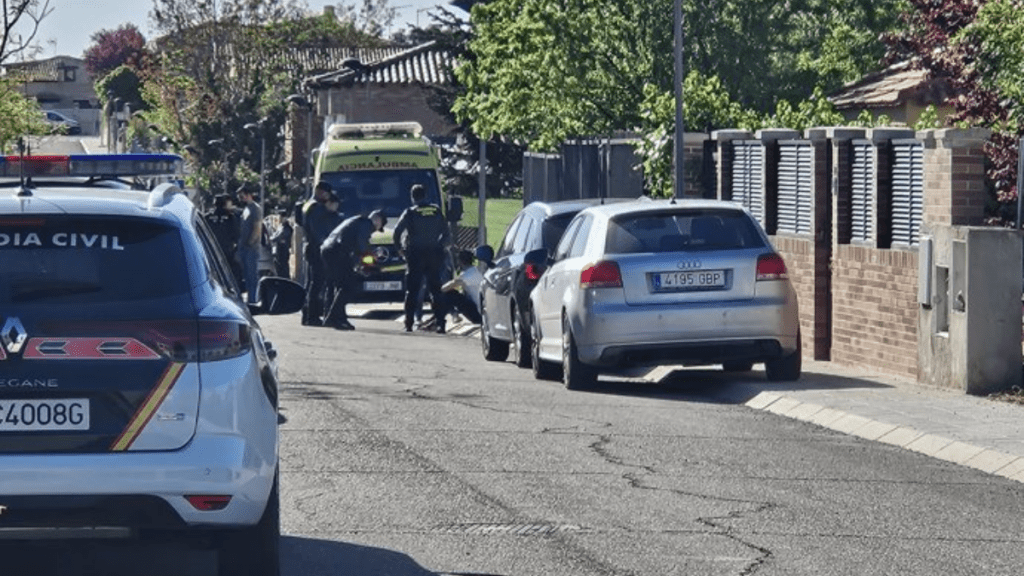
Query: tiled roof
424, 64
49, 70
887, 88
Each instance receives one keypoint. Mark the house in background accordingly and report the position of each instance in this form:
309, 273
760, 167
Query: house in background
902, 92
60, 83
377, 85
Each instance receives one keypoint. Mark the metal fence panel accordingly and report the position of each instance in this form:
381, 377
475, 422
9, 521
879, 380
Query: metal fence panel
907, 191
796, 174
748, 177
862, 184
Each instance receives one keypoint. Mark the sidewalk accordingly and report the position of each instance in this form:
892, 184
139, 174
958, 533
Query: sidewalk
976, 432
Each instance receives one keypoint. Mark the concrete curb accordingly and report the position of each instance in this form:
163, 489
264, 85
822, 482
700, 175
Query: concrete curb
978, 457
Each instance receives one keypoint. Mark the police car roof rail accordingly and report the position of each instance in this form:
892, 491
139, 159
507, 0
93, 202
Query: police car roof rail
163, 194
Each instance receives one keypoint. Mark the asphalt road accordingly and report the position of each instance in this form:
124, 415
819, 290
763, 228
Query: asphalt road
409, 455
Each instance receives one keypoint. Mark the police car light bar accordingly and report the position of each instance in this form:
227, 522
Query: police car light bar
377, 130
91, 165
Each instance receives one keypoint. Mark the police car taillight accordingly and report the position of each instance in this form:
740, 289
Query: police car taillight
177, 340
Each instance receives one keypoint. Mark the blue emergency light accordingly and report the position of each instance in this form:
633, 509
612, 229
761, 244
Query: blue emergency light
91, 165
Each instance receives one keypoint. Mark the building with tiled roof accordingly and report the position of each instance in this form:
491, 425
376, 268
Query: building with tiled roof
59, 83
394, 88
902, 92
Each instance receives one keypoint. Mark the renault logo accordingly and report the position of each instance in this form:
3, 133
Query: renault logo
2, 510
13, 335
688, 264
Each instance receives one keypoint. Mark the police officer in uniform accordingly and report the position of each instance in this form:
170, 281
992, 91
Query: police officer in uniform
422, 235
226, 227
341, 253
317, 223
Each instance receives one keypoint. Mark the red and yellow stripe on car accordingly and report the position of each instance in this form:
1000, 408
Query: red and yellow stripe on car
148, 407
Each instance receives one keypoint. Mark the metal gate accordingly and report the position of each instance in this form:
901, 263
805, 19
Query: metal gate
748, 177
796, 190
907, 191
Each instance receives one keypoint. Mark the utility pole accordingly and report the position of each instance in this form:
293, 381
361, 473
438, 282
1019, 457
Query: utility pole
680, 139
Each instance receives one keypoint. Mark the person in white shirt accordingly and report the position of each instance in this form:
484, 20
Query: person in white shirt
462, 294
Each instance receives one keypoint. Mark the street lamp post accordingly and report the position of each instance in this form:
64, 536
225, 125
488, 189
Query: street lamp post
300, 100
219, 144
258, 128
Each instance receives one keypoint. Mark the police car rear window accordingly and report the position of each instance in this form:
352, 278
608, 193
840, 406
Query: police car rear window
75, 259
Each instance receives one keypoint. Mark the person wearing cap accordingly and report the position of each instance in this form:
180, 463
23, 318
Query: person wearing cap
422, 235
341, 252
249, 238
317, 223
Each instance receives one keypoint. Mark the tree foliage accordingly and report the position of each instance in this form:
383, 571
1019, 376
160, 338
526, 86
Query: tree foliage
110, 49
547, 70
21, 20
975, 45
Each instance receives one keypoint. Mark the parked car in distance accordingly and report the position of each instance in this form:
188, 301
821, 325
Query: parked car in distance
61, 124
653, 282
505, 290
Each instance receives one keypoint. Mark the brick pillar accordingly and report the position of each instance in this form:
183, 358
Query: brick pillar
954, 176
842, 181
723, 138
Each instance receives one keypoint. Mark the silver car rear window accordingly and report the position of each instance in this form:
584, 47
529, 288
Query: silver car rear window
682, 231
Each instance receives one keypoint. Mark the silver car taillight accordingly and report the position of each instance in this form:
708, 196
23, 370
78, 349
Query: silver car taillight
603, 274
771, 267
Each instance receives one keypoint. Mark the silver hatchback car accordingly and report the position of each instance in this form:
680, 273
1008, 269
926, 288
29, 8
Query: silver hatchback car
660, 282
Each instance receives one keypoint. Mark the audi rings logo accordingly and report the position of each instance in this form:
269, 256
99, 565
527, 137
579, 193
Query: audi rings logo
381, 253
13, 335
688, 264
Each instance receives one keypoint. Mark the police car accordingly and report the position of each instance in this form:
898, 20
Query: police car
137, 394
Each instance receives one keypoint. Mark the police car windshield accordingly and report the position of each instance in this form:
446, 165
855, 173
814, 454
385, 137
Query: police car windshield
76, 259
365, 191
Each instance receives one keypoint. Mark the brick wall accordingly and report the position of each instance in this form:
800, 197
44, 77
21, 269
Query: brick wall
798, 252
955, 193
387, 103
874, 309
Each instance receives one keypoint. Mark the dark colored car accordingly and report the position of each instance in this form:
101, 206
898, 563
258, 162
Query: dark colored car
505, 291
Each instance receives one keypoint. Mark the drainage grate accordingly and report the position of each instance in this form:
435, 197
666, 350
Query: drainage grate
513, 529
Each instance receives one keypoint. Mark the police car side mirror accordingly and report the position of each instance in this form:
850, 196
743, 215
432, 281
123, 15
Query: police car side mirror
455, 209
278, 296
485, 254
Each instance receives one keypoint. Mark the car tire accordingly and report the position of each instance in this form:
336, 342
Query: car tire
494, 350
520, 341
786, 368
737, 366
575, 374
254, 551
542, 369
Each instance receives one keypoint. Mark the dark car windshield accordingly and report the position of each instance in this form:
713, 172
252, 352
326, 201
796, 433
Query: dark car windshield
689, 230
74, 259
388, 190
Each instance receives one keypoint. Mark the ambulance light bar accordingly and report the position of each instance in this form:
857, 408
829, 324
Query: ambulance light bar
375, 130
91, 165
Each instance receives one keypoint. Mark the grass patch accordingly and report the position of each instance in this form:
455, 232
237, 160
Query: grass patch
499, 214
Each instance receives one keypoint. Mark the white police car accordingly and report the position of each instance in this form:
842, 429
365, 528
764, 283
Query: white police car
137, 395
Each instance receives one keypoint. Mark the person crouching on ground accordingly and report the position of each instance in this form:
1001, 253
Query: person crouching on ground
462, 294
341, 252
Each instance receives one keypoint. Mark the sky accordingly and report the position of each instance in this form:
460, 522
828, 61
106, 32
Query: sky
68, 28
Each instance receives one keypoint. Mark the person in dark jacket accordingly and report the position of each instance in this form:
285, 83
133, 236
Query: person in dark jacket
281, 242
226, 227
341, 253
317, 223
422, 235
